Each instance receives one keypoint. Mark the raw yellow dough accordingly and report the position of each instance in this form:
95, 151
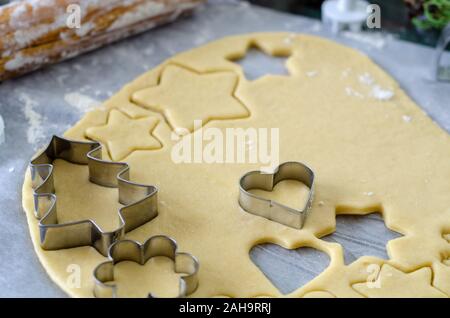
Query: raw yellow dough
136, 134
394, 283
370, 152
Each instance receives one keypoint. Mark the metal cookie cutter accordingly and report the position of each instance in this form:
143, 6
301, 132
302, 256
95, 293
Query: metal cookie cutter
140, 200
441, 72
128, 250
266, 181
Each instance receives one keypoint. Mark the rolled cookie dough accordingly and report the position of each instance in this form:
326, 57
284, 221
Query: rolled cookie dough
371, 147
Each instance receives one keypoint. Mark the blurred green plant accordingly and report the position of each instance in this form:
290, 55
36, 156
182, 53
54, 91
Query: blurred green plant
435, 15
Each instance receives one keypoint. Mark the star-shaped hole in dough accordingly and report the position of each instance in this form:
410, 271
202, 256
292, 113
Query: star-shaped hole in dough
123, 135
183, 96
393, 283
373, 238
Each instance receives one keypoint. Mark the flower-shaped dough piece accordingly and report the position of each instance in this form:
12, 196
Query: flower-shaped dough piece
128, 250
184, 96
123, 135
393, 283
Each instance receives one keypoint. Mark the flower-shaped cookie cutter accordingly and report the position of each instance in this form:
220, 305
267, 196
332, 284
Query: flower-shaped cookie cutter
128, 250
273, 210
139, 200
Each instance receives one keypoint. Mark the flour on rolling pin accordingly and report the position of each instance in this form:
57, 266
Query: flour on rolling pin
34, 33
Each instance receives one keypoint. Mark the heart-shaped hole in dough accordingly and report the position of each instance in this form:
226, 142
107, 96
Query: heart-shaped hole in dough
288, 269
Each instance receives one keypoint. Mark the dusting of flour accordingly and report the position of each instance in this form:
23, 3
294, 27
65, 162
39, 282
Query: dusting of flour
381, 93
35, 131
81, 102
372, 39
376, 91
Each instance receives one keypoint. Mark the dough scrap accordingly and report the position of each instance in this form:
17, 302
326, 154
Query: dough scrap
355, 144
394, 284
441, 276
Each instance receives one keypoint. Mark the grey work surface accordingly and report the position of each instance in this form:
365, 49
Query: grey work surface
39, 98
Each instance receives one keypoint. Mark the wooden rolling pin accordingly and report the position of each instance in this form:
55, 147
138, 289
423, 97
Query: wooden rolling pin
34, 33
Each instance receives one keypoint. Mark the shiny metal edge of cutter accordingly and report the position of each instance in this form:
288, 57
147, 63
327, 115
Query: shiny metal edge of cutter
273, 210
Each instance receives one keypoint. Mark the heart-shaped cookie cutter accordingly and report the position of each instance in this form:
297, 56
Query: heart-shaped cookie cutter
273, 210
129, 250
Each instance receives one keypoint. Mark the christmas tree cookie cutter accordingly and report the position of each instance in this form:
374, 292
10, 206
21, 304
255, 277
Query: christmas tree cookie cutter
139, 200
128, 250
273, 210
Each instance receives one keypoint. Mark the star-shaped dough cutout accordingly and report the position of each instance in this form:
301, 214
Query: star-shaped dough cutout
123, 135
393, 283
183, 96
